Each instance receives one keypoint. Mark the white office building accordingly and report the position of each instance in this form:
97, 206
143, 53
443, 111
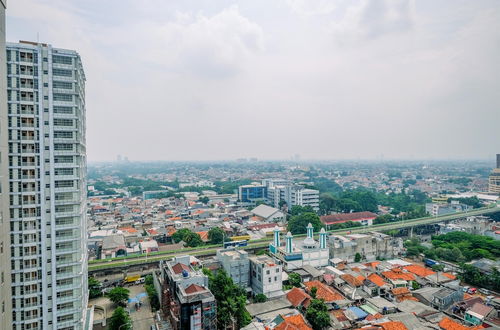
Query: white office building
47, 187
292, 194
266, 276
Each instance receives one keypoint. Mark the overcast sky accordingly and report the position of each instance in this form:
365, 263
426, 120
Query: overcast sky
212, 80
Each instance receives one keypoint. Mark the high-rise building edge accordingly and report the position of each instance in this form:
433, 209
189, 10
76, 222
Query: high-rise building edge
5, 288
44, 188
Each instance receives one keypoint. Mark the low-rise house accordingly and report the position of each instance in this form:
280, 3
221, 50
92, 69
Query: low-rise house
375, 285
268, 213
149, 246
328, 294
293, 322
113, 246
445, 297
381, 305
400, 294
298, 297
479, 313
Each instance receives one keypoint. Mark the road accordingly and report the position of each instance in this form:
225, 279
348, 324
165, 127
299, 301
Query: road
101, 265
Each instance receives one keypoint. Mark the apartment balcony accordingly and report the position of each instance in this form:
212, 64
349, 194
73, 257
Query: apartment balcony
32, 305
67, 238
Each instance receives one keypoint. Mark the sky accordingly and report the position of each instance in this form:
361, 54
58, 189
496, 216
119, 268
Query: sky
220, 80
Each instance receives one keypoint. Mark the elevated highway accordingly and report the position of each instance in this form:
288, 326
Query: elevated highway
151, 259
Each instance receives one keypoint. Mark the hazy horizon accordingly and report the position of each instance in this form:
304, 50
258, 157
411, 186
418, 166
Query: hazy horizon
328, 80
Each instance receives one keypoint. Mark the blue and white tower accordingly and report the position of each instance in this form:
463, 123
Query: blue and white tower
289, 237
273, 247
322, 239
310, 230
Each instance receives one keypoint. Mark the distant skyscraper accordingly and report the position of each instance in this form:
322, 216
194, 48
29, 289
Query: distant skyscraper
5, 288
494, 180
46, 195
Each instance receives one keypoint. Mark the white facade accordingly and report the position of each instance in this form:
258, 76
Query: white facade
292, 195
236, 264
265, 276
47, 171
5, 286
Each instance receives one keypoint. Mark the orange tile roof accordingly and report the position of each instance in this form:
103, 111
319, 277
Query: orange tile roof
393, 325
360, 278
128, 229
203, 235
199, 212
351, 280
398, 291
450, 276
377, 280
174, 218
324, 292
194, 288
294, 322
419, 270
298, 297
397, 274
449, 324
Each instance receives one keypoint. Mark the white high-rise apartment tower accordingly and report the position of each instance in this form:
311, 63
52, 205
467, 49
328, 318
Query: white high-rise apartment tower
46, 188
5, 300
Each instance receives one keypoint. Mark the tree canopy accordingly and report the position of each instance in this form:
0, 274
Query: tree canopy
120, 320
94, 288
231, 300
297, 224
216, 235
119, 295
317, 314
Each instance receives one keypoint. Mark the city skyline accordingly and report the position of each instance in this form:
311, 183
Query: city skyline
404, 79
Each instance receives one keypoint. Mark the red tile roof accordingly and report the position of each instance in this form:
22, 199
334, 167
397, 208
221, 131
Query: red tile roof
449, 324
353, 281
194, 288
178, 268
324, 292
450, 276
344, 217
294, 322
298, 297
398, 291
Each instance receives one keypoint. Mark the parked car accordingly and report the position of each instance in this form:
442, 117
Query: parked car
465, 288
472, 291
484, 291
140, 281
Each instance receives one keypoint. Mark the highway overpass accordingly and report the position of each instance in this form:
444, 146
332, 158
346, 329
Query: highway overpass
124, 262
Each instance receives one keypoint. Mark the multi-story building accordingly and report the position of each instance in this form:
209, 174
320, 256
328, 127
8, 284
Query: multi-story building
186, 299
292, 194
252, 193
370, 246
5, 287
494, 179
266, 276
236, 264
47, 187
448, 208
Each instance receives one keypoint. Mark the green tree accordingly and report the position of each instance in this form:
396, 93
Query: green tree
415, 285
120, 320
216, 235
260, 298
438, 267
297, 209
294, 279
297, 224
231, 300
314, 292
357, 257
204, 200
317, 314
119, 295
179, 235
193, 239
94, 288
